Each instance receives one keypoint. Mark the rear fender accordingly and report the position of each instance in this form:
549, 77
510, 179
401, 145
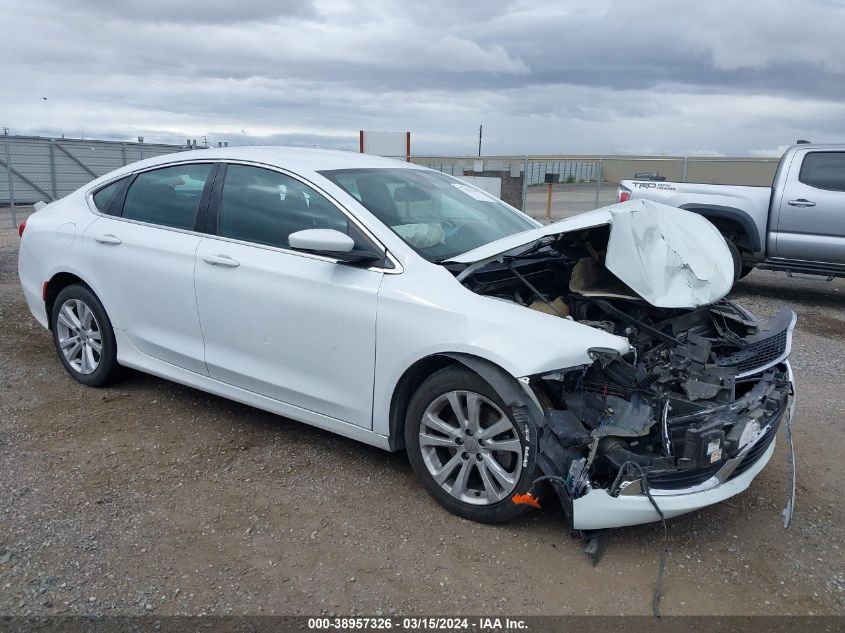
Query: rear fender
734, 215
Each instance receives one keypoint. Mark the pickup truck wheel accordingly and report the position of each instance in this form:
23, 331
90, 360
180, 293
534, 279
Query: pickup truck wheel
737, 259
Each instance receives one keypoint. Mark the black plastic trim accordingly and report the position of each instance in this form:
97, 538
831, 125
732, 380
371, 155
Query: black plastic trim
202, 211
116, 205
213, 210
803, 267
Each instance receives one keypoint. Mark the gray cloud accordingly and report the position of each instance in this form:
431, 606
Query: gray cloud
569, 76
190, 11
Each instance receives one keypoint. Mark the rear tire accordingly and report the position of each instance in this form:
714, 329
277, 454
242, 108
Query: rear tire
83, 336
456, 458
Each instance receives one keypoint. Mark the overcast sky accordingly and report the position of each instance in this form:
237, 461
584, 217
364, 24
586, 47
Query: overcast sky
634, 76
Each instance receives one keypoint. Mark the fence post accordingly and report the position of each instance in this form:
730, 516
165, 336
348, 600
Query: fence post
11, 184
684, 179
53, 170
123, 152
598, 182
524, 184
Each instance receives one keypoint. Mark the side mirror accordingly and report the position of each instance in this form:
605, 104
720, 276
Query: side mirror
323, 240
331, 243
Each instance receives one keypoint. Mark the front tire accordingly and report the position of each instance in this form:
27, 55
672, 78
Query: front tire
465, 447
83, 336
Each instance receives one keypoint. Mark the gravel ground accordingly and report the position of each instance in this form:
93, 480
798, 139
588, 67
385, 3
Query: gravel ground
149, 497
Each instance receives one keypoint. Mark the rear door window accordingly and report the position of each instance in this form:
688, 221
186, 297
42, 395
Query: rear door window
169, 196
824, 170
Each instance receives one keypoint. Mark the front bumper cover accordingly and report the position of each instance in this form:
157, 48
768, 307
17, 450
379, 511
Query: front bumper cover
598, 509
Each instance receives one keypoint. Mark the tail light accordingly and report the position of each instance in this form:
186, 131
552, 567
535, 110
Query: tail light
623, 194
21, 228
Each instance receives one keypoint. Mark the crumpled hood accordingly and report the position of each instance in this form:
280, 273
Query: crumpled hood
670, 257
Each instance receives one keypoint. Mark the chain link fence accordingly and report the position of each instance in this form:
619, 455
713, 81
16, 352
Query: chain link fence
35, 168
551, 188
546, 187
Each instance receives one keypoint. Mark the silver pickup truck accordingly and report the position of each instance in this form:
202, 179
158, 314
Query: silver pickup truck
796, 225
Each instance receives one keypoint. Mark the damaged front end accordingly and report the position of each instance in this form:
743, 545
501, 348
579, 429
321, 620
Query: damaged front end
683, 420
696, 405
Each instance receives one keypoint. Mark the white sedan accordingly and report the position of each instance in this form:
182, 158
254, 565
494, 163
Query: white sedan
595, 358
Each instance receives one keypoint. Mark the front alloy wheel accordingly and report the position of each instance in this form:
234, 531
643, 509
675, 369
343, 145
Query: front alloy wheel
470, 447
465, 447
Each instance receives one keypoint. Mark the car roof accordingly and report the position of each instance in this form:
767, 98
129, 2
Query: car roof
297, 159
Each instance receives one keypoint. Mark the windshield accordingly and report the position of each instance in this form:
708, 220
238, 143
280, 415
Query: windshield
438, 216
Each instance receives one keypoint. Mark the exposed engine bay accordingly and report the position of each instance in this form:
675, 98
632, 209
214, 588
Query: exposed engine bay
699, 396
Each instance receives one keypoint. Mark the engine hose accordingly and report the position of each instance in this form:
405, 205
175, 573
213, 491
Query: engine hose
631, 320
614, 451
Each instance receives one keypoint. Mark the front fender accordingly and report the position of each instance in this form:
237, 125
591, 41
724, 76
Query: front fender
526, 411
436, 315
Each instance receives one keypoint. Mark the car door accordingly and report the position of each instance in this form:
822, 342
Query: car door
142, 257
811, 222
296, 327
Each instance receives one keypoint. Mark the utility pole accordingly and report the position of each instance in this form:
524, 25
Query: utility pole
479, 139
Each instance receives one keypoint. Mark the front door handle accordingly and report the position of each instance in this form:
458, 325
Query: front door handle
801, 202
221, 260
109, 239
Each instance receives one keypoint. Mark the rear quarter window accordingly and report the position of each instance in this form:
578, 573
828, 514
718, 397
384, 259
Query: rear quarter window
104, 197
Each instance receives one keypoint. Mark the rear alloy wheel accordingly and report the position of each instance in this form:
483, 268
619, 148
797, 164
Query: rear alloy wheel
465, 448
83, 337
79, 336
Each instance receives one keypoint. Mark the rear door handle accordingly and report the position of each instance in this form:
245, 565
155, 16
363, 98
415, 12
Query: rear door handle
221, 260
801, 202
109, 239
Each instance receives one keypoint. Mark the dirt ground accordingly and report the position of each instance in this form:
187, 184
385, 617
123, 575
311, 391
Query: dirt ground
150, 497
